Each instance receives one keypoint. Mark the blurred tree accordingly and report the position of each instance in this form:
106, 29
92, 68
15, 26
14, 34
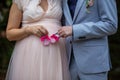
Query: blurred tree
114, 41
6, 47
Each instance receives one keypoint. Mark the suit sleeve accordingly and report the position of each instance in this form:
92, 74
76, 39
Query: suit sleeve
106, 26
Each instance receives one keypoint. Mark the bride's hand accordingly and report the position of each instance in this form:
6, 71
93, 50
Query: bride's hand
36, 30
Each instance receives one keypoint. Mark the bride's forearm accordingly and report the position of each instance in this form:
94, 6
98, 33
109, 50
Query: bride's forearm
16, 34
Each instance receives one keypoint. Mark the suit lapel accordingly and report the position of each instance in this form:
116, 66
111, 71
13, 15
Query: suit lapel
78, 7
67, 12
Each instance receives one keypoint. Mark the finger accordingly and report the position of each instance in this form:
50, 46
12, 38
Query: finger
60, 31
43, 30
35, 31
62, 34
39, 34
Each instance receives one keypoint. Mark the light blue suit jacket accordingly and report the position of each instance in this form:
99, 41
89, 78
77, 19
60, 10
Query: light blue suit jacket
90, 32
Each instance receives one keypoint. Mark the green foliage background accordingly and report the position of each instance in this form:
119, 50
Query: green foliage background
6, 47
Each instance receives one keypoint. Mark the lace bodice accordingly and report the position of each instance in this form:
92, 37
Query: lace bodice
33, 12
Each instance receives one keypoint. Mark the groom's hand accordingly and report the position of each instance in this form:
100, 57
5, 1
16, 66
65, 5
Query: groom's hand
65, 31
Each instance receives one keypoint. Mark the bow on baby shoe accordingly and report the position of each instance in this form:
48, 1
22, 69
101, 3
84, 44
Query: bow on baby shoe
54, 38
45, 40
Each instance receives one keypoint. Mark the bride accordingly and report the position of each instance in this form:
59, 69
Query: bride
29, 20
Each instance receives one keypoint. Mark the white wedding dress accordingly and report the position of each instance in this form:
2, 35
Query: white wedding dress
31, 60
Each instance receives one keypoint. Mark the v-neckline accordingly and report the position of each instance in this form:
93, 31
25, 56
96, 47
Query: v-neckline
45, 11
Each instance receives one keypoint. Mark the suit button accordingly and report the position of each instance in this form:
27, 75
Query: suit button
70, 42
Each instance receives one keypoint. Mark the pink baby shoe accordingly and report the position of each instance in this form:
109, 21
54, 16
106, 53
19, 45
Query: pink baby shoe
54, 38
45, 40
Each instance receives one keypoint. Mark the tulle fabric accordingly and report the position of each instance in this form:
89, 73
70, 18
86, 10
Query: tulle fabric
31, 60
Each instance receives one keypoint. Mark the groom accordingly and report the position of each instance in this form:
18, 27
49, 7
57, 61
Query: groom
87, 26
